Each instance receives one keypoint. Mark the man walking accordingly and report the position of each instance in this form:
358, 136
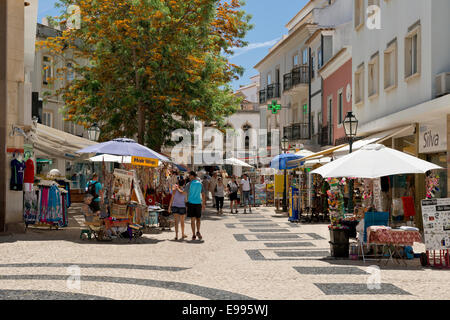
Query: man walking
245, 191
196, 202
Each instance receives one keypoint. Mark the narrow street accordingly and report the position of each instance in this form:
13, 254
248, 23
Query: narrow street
253, 256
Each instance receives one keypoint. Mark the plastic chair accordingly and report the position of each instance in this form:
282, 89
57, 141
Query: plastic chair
372, 219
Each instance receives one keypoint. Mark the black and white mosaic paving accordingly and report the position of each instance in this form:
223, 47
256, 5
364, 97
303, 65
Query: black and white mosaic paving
288, 244
204, 292
330, 270
334, 289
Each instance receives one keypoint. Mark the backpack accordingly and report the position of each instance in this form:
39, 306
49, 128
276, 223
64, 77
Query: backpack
92, 190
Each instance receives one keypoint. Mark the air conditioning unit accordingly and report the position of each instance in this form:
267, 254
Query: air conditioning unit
442, 84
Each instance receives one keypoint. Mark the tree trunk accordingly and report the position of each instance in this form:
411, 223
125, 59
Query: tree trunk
141, 124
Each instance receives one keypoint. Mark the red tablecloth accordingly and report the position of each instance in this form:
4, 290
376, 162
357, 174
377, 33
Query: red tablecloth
379, 235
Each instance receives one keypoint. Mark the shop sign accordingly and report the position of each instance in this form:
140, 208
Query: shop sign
145, 162
432, 138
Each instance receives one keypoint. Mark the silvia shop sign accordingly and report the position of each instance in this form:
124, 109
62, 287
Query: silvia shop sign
433, 138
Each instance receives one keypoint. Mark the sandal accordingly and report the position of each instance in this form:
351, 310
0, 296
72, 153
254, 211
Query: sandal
199, 236
176, 239
194, 238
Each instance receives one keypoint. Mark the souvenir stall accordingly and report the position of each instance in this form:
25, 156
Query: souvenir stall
129, 190
374, 227
46, 201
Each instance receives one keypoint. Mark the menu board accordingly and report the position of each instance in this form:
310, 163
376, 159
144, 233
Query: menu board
436, 223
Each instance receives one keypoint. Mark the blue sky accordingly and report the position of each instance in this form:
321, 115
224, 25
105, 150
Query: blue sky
269, 19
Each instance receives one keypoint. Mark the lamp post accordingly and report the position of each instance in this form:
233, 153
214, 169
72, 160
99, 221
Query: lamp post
285, 147
351, 129
94, 133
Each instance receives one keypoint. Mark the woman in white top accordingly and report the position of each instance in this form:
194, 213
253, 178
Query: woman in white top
219, 193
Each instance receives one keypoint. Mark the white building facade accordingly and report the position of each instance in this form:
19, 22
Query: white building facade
289, 73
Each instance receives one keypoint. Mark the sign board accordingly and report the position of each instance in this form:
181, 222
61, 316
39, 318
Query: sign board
433, 137
436, 223
260, 194
144, 162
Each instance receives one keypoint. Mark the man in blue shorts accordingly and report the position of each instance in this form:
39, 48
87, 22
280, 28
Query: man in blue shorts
196, 202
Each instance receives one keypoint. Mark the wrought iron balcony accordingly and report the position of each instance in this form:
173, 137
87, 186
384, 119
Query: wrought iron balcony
298, 75
272, 91
262, 96
297, 131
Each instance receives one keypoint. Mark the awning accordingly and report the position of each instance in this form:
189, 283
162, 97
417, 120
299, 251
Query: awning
344, 148
56, 143
375, 138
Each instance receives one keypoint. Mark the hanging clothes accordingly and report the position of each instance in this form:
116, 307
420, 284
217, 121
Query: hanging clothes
17, 170
29, 172
31, 207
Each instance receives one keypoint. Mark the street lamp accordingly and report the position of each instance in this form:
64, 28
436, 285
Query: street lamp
351, 129
94, 133
285, 148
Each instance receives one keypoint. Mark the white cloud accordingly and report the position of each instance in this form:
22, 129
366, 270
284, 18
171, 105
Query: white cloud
253, 46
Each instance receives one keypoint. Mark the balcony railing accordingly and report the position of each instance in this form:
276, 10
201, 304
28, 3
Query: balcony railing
272, 91
262, 96
297, 131
298, 75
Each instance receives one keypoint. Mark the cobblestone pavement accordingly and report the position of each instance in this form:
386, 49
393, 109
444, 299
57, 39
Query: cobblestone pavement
254, 256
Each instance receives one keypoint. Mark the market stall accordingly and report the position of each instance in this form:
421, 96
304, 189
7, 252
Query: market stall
132, 198
370, 162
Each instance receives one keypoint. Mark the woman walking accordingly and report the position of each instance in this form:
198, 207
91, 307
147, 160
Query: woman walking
177, 206
219, 193
233, 188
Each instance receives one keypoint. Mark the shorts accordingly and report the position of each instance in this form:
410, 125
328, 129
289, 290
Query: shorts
179, 210
246, 197
95, 206
233, 196
194, 210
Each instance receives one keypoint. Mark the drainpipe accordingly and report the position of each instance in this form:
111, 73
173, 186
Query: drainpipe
309, 94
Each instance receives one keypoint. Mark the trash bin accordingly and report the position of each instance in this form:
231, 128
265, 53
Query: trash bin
339, 243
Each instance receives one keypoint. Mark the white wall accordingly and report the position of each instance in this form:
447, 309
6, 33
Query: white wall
396, 17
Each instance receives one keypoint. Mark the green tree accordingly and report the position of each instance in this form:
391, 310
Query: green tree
153, 64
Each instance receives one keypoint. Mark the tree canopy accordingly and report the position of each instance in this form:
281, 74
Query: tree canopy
147, 67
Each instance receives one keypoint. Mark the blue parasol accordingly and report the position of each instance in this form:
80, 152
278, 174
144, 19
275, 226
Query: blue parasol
124, 147
280, 161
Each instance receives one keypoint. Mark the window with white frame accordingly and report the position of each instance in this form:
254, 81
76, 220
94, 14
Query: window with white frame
305, 57
47, 69
373, 70
340, 106
295, 61
359, 13
319, 58
359, 84
390, 66
70, 73
47, 118
413, 52
313, 65
269, 78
